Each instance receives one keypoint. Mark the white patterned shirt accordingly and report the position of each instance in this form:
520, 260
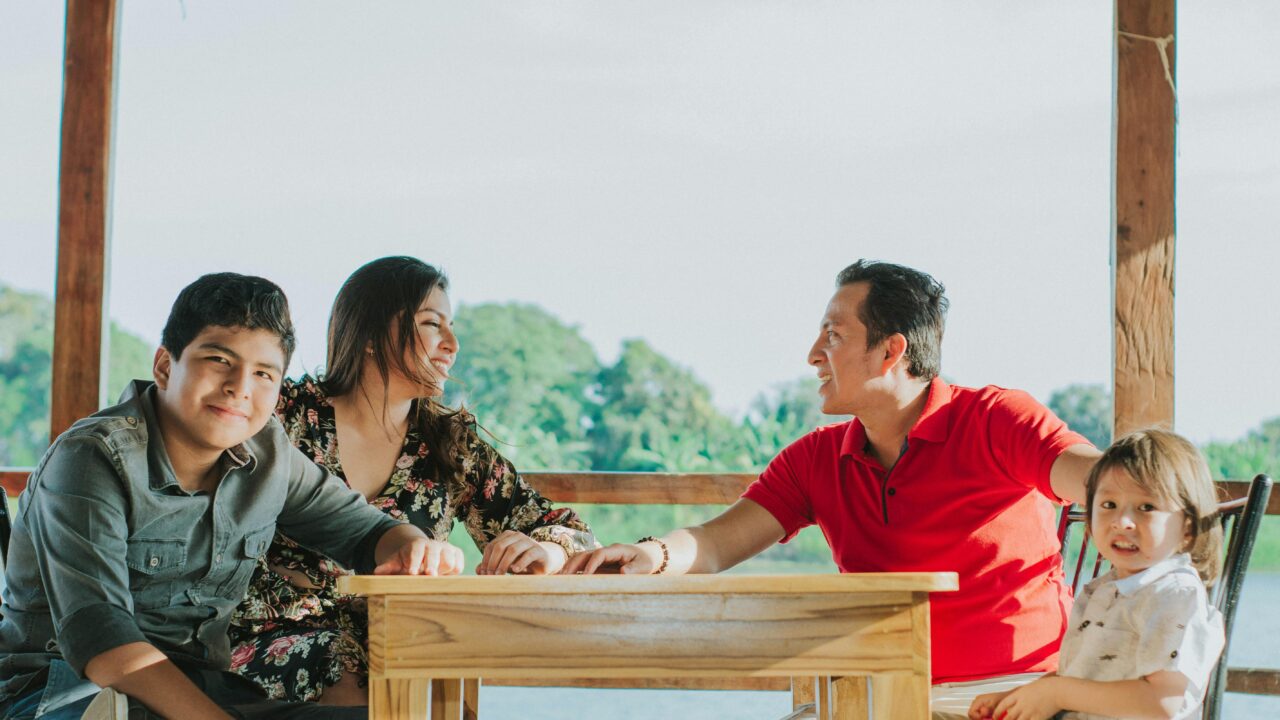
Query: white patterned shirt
1156, 619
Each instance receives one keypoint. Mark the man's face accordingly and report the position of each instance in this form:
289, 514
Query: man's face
845, 365
222, 390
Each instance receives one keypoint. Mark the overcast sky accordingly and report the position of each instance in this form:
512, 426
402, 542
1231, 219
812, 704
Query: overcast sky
693, 173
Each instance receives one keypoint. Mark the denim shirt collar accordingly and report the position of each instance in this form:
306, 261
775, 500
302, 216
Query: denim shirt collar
141, 399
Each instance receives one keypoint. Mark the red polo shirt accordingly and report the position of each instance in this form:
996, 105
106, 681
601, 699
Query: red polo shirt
970, 494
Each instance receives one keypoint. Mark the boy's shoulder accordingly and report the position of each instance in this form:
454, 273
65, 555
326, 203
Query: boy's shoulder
121, 425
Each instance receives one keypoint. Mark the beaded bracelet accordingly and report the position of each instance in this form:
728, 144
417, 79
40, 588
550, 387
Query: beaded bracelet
666, 556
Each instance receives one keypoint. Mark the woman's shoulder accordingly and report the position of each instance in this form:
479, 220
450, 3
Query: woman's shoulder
299, 397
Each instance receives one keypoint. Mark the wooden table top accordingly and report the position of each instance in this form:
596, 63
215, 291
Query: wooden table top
641, 584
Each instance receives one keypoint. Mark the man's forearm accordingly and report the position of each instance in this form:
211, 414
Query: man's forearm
741, 532
142, 672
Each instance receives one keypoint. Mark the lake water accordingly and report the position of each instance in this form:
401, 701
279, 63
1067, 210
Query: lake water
1256, 643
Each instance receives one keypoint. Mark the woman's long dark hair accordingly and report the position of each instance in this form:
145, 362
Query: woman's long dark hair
374, 313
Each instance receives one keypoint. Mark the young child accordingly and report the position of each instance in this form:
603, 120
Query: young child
137, 534
1142, 638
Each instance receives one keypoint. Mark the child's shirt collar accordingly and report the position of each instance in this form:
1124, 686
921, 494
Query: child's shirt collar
1135, 582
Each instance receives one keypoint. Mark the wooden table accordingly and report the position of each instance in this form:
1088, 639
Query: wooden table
862, 639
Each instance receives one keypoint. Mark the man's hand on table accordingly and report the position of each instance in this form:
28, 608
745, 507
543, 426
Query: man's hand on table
617, 558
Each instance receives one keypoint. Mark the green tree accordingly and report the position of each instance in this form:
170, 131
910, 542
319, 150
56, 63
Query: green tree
656, 416
530, 380
1086, 409
1257, 452
26, 343
781, 415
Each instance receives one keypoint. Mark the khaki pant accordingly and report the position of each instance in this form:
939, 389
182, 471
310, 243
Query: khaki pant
951, 701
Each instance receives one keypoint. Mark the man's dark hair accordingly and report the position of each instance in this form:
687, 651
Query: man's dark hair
902, 300
228, 299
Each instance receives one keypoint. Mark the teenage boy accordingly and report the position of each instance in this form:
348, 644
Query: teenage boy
138, 531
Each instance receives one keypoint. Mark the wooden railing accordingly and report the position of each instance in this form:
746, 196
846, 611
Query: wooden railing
714, 489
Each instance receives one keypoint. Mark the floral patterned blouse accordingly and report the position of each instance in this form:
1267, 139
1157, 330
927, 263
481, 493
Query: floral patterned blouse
295, 641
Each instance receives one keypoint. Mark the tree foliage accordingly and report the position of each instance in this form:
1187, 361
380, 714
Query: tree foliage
1086, 409
530, 379
537, 385
26, 372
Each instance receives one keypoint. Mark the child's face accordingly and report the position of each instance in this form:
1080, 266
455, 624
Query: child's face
222, 390
1132, 528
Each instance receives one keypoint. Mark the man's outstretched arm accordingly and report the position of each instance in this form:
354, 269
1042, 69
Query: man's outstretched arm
743, 531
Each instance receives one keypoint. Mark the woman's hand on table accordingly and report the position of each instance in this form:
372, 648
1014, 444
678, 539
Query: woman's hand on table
517, 553
617, 558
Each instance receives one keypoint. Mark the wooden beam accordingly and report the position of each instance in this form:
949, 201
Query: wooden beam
1143, 237
641, 488
1253, 681
645, 488
84, 210
776, 684
1236, 489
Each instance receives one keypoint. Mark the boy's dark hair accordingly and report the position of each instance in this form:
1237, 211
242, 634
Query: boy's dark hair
906, 301
228, 299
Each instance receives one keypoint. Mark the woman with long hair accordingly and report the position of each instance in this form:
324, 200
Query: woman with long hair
374, 419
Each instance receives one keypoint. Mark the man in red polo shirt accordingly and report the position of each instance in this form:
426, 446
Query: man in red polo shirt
927, 477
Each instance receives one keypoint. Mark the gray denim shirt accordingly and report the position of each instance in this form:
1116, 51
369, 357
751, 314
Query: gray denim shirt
108, 549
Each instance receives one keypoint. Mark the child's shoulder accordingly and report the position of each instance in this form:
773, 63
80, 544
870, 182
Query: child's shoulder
1175, 593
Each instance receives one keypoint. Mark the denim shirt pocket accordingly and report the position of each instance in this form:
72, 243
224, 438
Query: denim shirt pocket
251, 550
257, 541
154, 567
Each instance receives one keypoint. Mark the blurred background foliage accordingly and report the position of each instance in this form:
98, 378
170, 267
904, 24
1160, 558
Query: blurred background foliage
548, 402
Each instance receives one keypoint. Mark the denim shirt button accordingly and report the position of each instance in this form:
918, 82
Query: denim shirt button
218, 558
154, 561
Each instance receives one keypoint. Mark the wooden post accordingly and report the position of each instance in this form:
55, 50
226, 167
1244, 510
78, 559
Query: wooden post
84, 210
1143, 239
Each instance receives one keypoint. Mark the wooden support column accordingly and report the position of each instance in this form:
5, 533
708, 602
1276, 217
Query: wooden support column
84, 210
1143, 239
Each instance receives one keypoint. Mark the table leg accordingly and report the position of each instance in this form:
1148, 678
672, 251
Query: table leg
804, 691
447, 700
398, 699
471, 699
898, 697
848, 698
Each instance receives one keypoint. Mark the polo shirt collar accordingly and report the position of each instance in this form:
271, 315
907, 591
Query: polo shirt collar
1135, 582
933, 425
934, 422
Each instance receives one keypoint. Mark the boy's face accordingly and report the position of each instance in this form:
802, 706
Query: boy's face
1132, 528
222, 390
